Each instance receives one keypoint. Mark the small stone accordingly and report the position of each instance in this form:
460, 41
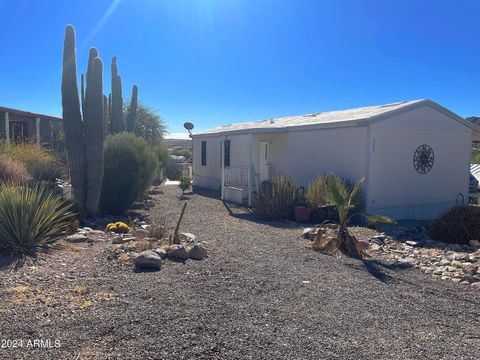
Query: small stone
456, 263
306, 232
413, 243
161, 252
76, 238
88, 229
177, 253
122, 240
445, 262
464, 283
197, 252
475, 285
188, 238
456, 280
447, 274
474, 243
148, 260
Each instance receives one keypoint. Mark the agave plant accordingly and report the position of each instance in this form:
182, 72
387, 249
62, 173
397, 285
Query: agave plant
345, 198
30, 217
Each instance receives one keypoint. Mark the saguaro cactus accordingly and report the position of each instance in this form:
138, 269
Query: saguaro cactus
83, 139
72, 118
132, 111
106, 121
117, 123
94, 133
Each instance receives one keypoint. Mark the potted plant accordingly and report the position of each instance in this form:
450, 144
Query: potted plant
302, 211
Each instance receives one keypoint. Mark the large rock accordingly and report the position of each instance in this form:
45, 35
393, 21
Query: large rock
197, 252
148, 260
177, 253
475, 285
77, 238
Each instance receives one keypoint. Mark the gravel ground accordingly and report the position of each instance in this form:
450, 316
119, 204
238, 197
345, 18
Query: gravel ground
261, 294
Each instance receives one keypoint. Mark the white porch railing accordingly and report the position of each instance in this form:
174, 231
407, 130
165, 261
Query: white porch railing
237, 177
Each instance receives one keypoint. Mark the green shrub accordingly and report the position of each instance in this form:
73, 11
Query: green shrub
130, 167
276, 198
185, 183
12, 171
459, 224
171, 169
30, 217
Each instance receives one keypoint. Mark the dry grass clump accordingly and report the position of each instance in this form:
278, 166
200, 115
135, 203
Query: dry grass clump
12, 171
157, 232
459, 224
40, 163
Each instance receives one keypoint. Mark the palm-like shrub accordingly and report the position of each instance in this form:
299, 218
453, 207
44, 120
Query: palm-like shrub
276, 198
30, 217
459, 224
344, 198
130, 167
12, 171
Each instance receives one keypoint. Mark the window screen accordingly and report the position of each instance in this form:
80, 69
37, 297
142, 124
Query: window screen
204, 153
226, 154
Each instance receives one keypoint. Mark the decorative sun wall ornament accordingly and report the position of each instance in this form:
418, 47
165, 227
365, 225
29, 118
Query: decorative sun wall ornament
423, 159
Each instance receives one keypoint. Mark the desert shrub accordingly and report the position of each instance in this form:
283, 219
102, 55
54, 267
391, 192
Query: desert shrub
41, 164
30, 217
171, 169
12, 171
459, 224
275, 199
184, 183
316, 193
130, 167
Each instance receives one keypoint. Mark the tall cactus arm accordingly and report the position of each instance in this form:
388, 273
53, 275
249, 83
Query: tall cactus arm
94, 133
132, 111
117, 123
72, 118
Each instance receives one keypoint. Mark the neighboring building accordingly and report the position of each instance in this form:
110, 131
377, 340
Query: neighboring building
18, 125
414, 156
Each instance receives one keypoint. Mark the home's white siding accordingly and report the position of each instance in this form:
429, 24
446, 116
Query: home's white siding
394, 187
210, 175
304, 155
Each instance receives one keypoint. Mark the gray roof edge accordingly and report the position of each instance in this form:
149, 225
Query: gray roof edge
350, 123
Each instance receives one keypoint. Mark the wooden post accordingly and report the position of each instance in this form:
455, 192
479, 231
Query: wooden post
176, 238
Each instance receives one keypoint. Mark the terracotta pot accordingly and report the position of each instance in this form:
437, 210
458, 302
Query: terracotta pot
302, 214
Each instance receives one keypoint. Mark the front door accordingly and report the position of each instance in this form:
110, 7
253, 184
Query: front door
264, 162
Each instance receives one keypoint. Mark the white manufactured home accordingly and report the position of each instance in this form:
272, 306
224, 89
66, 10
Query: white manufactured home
414, 155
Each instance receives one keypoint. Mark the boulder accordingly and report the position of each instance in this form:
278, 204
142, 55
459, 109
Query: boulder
413, 243
197, 252
177, 253
77, 238
148, 260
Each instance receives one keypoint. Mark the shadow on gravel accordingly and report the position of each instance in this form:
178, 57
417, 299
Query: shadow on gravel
11, 262
377, 268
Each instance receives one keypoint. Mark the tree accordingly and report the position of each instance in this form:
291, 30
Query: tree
149, 125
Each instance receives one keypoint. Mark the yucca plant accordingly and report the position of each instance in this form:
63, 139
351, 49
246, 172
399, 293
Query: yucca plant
344, 198
30, 217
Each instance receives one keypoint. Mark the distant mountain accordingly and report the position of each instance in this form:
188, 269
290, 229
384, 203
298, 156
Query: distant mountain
474, 120
178, 142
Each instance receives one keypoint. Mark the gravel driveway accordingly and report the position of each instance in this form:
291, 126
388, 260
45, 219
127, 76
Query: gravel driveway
260, 295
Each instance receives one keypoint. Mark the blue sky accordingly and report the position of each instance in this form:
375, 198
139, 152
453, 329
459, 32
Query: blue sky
221, 61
